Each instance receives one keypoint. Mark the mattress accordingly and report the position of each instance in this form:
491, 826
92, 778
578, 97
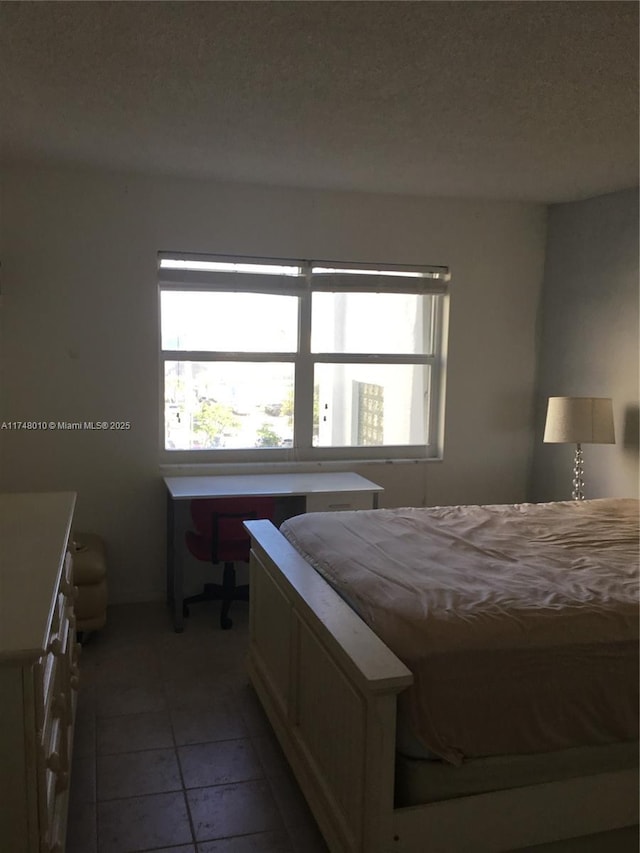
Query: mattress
519, 622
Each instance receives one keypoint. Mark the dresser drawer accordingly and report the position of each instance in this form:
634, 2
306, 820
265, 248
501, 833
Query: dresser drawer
67, 588
58, 825
52, 764
52, 679
58, 613
45, 676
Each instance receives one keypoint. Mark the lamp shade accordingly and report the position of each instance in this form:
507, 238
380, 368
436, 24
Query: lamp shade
579, 420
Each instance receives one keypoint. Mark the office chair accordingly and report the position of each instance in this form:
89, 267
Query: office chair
219, 537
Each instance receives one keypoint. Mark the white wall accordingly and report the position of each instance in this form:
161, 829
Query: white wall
79, 332
589, 340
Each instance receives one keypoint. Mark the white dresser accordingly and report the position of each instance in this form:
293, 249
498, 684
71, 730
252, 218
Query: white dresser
38, 670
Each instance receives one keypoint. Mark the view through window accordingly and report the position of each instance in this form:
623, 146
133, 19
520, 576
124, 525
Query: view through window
301, 359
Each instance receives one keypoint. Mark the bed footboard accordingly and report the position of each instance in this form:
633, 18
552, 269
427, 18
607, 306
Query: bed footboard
328, 686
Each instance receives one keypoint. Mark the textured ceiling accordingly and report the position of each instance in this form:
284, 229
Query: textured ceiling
511, 100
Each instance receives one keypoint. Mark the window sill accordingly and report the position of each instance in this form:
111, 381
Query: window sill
194, 469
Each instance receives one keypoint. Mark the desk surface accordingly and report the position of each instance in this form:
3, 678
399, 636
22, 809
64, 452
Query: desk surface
187, 488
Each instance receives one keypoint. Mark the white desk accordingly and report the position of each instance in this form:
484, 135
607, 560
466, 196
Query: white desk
321, 492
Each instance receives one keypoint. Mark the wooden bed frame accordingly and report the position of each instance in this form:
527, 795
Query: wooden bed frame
329, 686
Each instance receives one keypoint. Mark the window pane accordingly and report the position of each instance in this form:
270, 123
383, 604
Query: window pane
229, 322
228, 405
398, 323
362, 405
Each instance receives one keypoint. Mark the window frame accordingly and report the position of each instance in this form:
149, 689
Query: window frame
343, 277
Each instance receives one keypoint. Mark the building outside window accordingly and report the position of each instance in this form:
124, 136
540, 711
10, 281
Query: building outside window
369, 399
301, 360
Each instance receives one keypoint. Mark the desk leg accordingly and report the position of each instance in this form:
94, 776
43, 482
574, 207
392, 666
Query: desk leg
175, 594
170, 547
178, 596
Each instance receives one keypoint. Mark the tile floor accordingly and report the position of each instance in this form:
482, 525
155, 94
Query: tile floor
173, 753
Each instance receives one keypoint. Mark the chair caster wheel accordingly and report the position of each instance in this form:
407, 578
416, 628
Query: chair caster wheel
226, 623
185, 611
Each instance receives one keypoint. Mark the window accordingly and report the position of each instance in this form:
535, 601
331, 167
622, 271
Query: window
301, 360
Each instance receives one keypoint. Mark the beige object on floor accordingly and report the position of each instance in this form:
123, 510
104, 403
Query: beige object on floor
90, 578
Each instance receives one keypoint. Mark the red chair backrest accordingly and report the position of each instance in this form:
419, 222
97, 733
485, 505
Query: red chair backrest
220, 535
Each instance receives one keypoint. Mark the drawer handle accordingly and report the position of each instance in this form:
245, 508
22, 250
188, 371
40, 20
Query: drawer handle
55, 646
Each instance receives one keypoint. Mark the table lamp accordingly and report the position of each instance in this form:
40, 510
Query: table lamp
579, 420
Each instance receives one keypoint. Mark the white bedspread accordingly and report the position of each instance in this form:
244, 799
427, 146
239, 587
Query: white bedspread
519, 622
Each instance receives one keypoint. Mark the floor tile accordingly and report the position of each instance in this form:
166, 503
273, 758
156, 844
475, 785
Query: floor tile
251, 710
181, 848
262, 842
114, 699
110, 665
128, 622
143, 823
81, 828
83, 781
130, 774
201, 657
84, 735
306, 838
144, 688
133, 732
220, 721
194, 694
219, 763
291, 803
270, 754
228, 810
86, 708
204, 616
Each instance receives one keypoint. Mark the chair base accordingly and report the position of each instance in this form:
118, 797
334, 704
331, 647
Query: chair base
225, 592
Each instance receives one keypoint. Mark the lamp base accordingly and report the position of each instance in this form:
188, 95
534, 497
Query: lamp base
578, 469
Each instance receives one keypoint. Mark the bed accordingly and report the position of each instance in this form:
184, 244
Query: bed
453, 678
